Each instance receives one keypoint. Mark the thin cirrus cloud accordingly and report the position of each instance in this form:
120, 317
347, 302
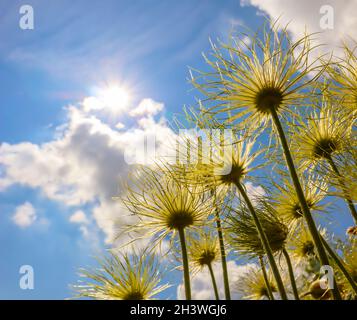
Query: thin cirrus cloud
109, 35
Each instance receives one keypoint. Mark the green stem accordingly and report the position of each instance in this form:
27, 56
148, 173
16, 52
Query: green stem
266, 280
291, 274
340, 265
223, 255
213, 281
265, 242
186, 271
300, 194
346, 196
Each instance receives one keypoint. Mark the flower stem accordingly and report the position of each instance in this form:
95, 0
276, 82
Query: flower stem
267, 284
347, 197
223, 258
300, 194
223, 255
291, 274
186, 271
340, 265
213, 281
265, 242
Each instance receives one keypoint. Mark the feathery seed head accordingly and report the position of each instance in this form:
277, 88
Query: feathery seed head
122, 277
303, 244
204, 249
165, 204
323, 135
252, 80
350, 256
287, 202
268, 99
233, 167
243, 234
344, 76
252, 284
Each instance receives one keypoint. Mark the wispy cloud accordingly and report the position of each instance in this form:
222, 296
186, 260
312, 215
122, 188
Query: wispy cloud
92, 41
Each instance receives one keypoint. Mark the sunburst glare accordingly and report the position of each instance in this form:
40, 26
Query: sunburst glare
112, 98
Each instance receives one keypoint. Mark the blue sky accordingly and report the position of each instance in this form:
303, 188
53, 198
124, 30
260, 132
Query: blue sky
74, 49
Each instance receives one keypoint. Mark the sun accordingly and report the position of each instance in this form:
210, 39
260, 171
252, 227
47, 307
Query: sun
111, 99
114, 98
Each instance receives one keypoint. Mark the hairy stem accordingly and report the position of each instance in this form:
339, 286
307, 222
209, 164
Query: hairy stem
264, 241
223, 254
346, 196
266, 280
223, 258
213, 281
300, 194
186, 271
340, 265
291, 274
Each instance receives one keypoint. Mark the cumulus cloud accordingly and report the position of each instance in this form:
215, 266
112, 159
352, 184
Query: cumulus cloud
86, 227
313, 15
254, 192
83, 164
78, 217
24, 215
147, 107
120, 125
201, 285
92, 104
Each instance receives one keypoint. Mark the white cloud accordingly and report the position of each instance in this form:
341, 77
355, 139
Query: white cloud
83, 164
86, 227
202, 289
305, 14
201, 285
24, 215
120, 126
254, 192
78, 217
85, 232
147, 107
92, 103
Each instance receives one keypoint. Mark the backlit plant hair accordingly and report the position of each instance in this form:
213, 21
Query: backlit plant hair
167, 206
127, 276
